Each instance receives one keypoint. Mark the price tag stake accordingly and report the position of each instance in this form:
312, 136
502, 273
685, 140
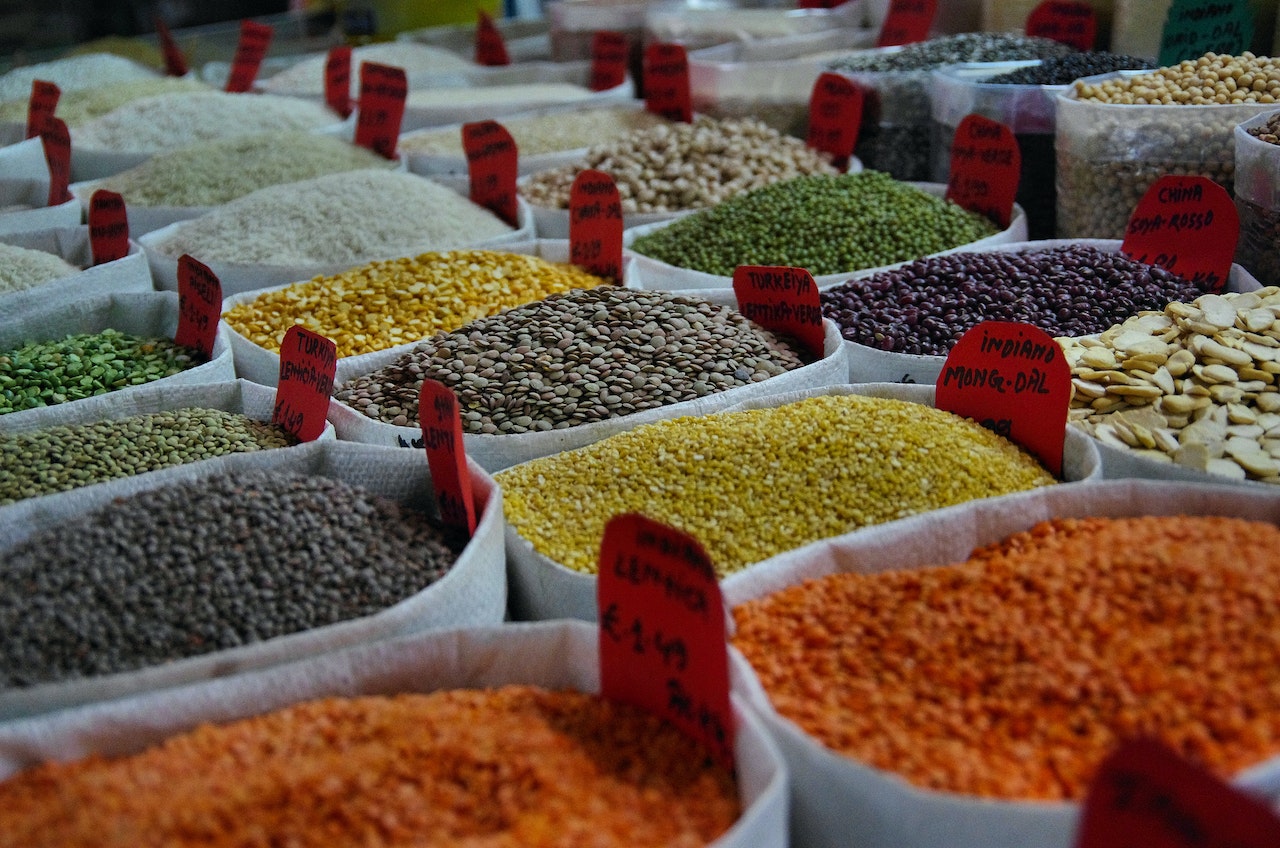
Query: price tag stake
1071, 22
782, 299
441, 423
986, 164
608, 60
835, 117
337, 79
175, 64
57, 154
383, 90
907, 22
491, 166
666, 82
255, 38
491, 49
199, 305
1187, 225
108, 227
308, 362
595, 225
44, 102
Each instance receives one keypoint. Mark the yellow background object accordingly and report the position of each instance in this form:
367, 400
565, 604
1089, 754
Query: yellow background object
394, 16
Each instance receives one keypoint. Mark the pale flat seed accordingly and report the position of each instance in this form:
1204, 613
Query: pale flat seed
1088, 389
1215, 373
1245, 431
1166, 440
1147, 391
1193, 455
1218, 311
1180, 362
1177, 404
1099, 358
1154, 455
1226, 468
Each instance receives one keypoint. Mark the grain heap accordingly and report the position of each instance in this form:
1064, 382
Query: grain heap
541, 134
952, 49
307, 76
72, 74
1064, 70
23, 268
77, 107
534, 93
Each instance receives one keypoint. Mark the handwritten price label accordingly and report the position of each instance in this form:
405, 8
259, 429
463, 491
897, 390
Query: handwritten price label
491, 166
308, 362
985, 166
1195, 27
666, 82
782, 299
1014, 379
442, 437
44, 102
199, 305
608, 60
595, 225
337, 79
1071, 22
383, 90
835, 117
255, 38
56, 142
491, 49
175, 64
1188, 225
108, 227
907, 22
662, 630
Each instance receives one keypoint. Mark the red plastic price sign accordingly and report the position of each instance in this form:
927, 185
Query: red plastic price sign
337, 79
491, 50
907, 22
782, 299
662, 630
608, 60
175, 64
985, 166
255, 38
491, 165
308, 362
442, 437
666, 82
1188, 225
835, 117
108, 227
383, 90
1144, 794
595, 224
1014, 379
199, 305
44, 102
1070, 22
57, 155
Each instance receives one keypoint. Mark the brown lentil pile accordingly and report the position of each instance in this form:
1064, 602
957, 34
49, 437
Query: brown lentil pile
512, 766
1012, 675
750, 485
396, 301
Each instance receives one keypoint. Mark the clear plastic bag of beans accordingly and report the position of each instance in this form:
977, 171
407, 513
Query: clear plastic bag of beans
838, 800
895, 135
1258, 201
472, 592
127, 274
553, 656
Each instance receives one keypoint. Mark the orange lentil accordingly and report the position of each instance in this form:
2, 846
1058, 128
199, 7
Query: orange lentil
505, 767
1012, 675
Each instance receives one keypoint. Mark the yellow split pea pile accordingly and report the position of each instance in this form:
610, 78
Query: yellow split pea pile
507, 767
1014, 674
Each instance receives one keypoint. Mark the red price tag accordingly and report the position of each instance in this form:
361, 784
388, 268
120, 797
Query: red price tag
784, 300
820, 4
662, 630
985, 166
835, 117
175, 64
1144, 794
907, 22
199, 305
666, 82
308, 362
108, 227
383, 90
1014, 379
608, 60
595, 224
337, 79
254, 40
1071, 22
57, 155
490, 48
1188, 225
442, 436
491, 164
44, 102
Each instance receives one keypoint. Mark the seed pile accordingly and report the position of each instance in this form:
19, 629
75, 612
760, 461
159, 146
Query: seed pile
1014, 674
541, 134
57, 459
926, 306
672, 167
1259, 247
352, 216
1064, 70
307, 76
77, 107
483, 95
827, 224
194, 568
1194, 385
23, 268
1213, 79
213, 172
397, 301
1268, 131
82, 365
950, 49
750, 485
72, 74
584, 356
513, 765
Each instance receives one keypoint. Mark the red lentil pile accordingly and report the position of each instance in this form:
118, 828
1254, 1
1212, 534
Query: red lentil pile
506, 767
1012, 675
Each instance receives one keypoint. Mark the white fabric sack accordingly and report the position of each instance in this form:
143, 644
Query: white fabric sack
24, 160
838, 801
496, 452
554, 655
542, 588
473, 592
127, 274
655, 274
25, 198
871, 365
139, 313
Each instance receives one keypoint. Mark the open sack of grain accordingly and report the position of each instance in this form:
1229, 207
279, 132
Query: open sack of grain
48, 266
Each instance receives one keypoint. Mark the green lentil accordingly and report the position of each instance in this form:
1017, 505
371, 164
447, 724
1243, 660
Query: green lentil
45, 373
809, 470
827, 224
57, 459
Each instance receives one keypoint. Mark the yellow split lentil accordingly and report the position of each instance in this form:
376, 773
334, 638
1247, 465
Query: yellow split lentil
516, 766
750, 485
1012, 675
396, 301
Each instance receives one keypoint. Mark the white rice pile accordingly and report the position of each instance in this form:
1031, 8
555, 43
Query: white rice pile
22, 268
72, 74
307, 76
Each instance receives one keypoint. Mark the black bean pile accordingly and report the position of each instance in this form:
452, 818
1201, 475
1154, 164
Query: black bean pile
194, 568
926, 306
573, 358
1063, 70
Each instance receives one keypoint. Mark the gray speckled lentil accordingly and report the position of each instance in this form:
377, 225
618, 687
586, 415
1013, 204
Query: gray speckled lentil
950, 49
1063, 70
